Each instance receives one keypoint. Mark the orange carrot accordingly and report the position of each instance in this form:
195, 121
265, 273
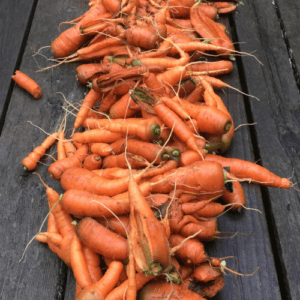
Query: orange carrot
92, 260
68, 41
156, 290
25, 82
89, 101
101, 240
92, 162
102, 149
235, 197
251, 172
154, 152
212, 209
205, 272
83, 179
191, 251
135, 161
70, 149
78, 263
30, 162
96, 136
83, 204
100, 289
59, 242
61, 152
116, 225
119, 292
57, 168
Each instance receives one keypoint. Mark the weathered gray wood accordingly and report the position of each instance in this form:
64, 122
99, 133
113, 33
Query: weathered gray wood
277, 129
23, 201
288, 13
14, 19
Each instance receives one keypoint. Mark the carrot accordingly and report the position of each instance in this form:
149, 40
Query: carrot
209, 289
89, 101
93, 261
102, 149
115, 225
147, 130
189, 157
171, 119
206, 231
191, 251
203, 178
122, 108
212, 68
78, 263
70, 149
101, 240
106, 104
113, 173
83, 179
96, 136
25, 82
251, 172
178, 10
57, 168
121, 160
30, 162
85, 72
151, 152
59, 242
68, 41
100, 289
83, 204
195, 95
147, 235
163, 290
61, 152
119, 292
205, 272
212, 209
92, 162
235, 197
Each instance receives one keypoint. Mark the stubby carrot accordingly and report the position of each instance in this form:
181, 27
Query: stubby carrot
25, 82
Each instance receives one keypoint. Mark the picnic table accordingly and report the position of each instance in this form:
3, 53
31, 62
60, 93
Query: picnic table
268, 239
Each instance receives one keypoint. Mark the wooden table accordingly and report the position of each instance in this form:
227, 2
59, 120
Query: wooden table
267, 29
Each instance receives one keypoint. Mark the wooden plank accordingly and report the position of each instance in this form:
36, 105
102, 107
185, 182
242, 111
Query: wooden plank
23, 202
277, 129
14, 20
287, 13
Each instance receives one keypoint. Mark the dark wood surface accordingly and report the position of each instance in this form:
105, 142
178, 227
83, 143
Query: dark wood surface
276, 135
274, 140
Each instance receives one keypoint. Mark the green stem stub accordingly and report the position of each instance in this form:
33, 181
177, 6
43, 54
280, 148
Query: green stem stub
175, 154
155, 131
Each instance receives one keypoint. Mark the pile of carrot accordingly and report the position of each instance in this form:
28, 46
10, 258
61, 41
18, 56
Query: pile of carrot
144, 180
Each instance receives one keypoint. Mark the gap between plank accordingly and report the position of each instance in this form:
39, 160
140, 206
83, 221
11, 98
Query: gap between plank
17, 65
287, 44
273, 233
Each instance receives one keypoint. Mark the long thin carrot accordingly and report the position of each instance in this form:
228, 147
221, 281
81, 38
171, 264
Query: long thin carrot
251, 172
